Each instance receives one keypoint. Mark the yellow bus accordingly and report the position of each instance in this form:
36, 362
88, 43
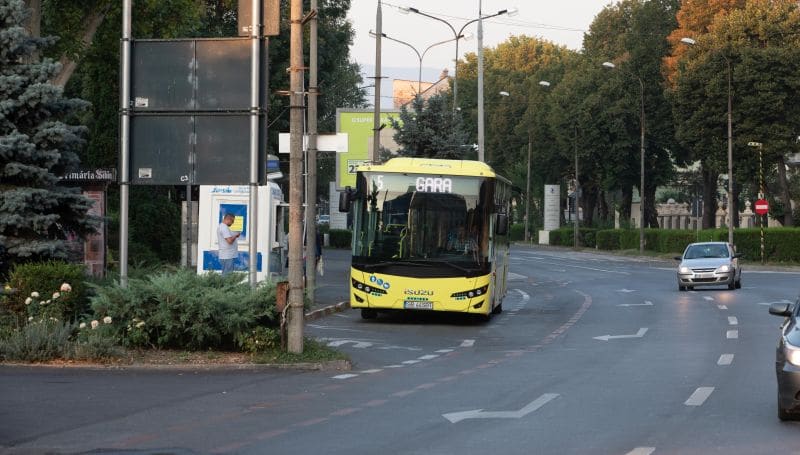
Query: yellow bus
428, 234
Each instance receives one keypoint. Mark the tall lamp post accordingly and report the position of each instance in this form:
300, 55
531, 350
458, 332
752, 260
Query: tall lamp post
420, 57
641, 157
528, 179
761, 195
731, 202
457, 35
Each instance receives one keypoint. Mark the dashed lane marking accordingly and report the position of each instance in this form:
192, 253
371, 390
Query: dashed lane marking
344, 376
428, 357
732, 334
732, 320
642, 451
709, 298
467, 343
725, 359
699, 396
722, 307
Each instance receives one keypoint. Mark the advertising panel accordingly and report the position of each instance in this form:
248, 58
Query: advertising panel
358, 124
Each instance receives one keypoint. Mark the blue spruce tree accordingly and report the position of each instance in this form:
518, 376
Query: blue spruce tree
37, 145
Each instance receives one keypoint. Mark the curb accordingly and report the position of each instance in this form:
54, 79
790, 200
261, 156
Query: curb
330, 309
333, 365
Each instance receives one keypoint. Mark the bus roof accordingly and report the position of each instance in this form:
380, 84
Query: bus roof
432, 166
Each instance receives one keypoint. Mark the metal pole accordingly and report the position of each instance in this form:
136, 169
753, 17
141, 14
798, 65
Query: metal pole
376, 122
641, 158
761, 196
455, 75
124, 178
577, 191
255, 75
528, 191
188, 226
295, 327
731, 202
481, 133
311, 190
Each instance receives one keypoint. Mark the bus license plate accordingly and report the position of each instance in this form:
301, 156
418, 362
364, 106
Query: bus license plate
414, 305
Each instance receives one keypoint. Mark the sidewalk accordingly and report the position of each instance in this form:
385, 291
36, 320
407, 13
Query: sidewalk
332, 289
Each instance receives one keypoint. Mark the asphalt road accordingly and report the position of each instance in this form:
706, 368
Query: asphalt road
593, 354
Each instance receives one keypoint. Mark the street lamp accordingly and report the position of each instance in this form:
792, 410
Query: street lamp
457, 35
419, 56
731, 202
760, 146
641, 158
528, 179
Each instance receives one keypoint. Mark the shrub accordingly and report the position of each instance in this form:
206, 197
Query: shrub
38, 341
260, 339
608, 239
46, 278
340, 238
185, 310
517, 232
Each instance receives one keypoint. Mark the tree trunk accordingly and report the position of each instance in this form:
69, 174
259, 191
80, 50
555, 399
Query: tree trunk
589, 204
34, 23
650, 213
788, 218
602, 207
68, 65
709, 198
625, 207
735, 205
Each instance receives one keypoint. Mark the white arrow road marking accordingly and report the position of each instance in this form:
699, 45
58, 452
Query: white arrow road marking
699, 396
646, 303
777, 301
642, 450
524, 294
455, 417
626, 290
725, 359
722, 307
467, 343
638, 334
356, 344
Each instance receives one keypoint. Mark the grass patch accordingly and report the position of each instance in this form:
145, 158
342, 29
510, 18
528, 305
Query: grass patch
313, 351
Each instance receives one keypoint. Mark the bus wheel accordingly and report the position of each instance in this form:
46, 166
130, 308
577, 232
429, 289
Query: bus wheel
367, 313
498, 309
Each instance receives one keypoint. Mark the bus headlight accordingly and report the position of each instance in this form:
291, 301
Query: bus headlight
366, 288
477, 292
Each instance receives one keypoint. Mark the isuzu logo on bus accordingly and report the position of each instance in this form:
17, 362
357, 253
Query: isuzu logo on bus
434, 185
418, 292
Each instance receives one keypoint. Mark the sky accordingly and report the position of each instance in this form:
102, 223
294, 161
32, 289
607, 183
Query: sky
560, 21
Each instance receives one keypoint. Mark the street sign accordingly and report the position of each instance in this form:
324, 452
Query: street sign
762, 207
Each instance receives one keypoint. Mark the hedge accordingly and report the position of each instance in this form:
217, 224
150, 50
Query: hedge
340, 238
780, 244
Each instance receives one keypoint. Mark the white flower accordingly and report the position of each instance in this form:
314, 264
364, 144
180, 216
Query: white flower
35, 295
54, 319
56, 295
28, 301
82, 326
107, 320
95, 324
140, 324
30, 318
65, 287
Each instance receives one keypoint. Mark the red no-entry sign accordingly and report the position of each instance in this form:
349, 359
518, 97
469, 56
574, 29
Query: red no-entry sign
762, 207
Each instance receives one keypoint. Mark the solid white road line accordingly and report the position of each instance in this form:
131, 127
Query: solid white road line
444, 351
410, 362
428, 357
732, 334
732, 320
699, 396
345, 376
725, 359
374, 370
642, 451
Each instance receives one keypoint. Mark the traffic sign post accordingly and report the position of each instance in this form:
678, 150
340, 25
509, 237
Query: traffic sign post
762, 206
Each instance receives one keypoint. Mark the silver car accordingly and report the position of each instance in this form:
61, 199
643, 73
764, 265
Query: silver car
709, 264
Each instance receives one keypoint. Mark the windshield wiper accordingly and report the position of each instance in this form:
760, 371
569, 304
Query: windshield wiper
388, 263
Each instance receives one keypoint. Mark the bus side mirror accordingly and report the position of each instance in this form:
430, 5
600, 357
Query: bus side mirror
501, 227
345, 197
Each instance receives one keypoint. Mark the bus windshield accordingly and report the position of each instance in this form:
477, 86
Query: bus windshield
437, 225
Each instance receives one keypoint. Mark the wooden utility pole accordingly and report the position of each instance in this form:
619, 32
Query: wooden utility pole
311, 158
295, 331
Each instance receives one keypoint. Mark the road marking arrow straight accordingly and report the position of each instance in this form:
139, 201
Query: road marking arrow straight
646, 303
455, 417
638, 334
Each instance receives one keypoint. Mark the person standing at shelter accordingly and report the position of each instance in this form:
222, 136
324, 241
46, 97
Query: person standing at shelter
228, 248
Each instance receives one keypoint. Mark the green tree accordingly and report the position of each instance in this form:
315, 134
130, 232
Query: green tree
38, 143
430, 129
